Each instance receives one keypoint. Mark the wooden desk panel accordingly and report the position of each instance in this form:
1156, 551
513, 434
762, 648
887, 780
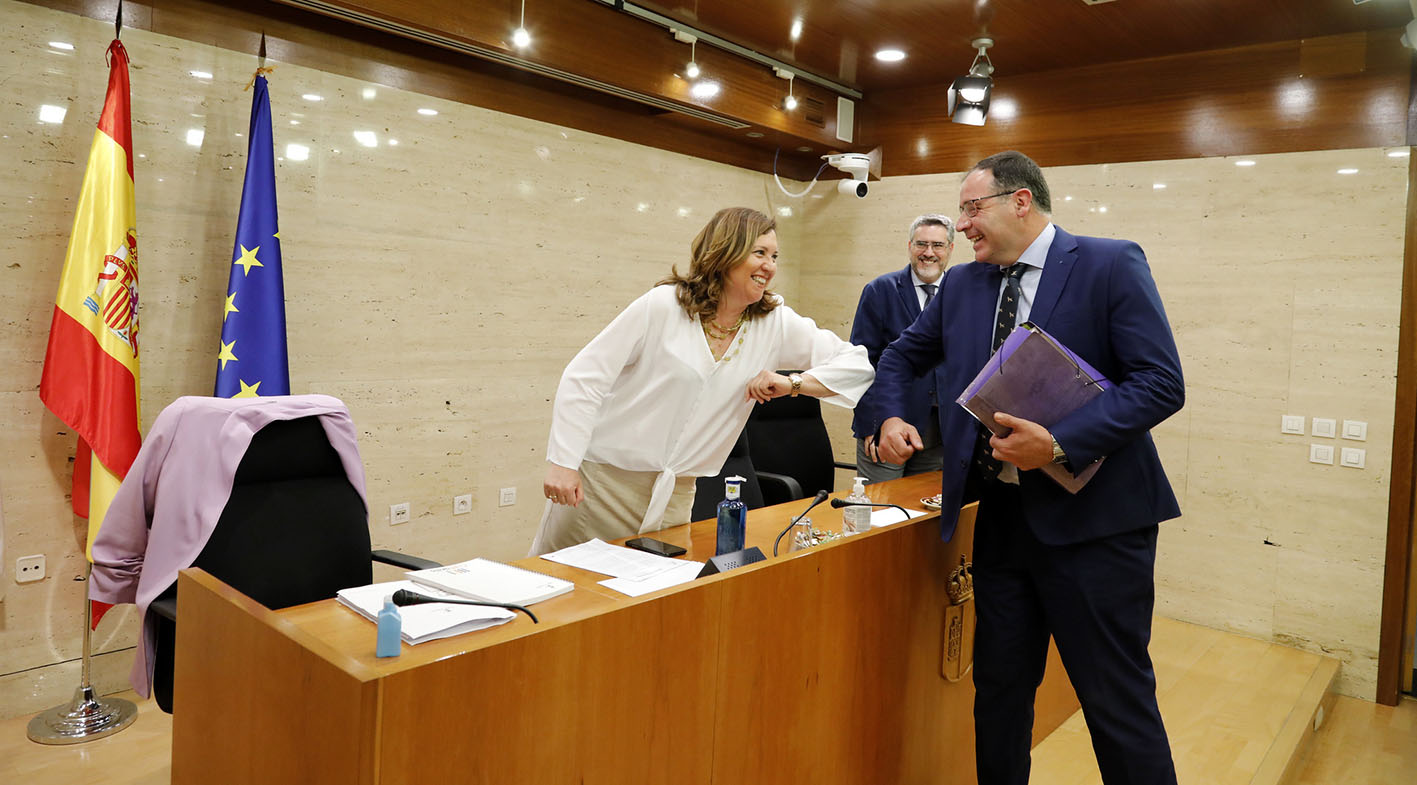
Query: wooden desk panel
818, 666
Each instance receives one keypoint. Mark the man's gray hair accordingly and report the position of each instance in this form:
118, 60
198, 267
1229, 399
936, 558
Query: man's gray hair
935, 219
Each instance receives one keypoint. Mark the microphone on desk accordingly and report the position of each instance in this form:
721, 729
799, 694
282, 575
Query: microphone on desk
839, 503
404, 597
820, 497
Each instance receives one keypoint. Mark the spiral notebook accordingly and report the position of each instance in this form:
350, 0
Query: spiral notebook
492, 581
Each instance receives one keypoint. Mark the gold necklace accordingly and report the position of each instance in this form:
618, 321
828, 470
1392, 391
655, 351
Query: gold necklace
717, 333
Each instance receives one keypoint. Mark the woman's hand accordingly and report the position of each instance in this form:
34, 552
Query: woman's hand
563, 485
766, 386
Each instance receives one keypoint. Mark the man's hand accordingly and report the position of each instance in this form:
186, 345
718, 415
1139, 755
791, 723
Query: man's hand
900, 440
1028, 445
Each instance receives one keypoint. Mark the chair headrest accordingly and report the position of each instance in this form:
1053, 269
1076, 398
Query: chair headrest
289, 450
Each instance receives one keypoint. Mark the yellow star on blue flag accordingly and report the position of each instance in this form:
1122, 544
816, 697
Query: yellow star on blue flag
259, 324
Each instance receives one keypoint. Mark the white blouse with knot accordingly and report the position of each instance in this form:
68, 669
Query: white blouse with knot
647, 395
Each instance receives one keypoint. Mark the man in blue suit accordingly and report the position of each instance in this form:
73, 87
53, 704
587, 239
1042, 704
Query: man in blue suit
1078, 568
889, 304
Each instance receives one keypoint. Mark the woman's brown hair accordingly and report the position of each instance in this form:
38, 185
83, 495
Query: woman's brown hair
725, 241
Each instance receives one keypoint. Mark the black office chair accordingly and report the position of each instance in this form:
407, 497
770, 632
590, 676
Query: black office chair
708, 491
294, 530
786, 436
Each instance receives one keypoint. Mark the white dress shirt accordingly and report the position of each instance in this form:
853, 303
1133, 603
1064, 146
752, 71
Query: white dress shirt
1034, 256
647, 395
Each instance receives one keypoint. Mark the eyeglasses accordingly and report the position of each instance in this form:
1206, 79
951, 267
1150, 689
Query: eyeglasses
970, 207
921, 245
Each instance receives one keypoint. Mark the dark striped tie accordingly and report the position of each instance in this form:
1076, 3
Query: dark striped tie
930, 290
989, 466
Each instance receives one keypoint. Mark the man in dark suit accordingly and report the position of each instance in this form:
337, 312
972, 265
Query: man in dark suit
889, 304
1047, 563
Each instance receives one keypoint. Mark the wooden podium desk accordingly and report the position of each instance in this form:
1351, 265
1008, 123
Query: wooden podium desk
820, 666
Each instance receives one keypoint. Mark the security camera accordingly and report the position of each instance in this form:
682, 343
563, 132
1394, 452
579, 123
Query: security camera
857, 187
855, 164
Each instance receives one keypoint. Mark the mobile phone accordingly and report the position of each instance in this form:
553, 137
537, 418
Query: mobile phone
654, 546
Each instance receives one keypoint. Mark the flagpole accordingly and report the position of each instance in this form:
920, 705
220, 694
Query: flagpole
86, 717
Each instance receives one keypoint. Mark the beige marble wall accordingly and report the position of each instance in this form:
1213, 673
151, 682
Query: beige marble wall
1281, 281
437, 282
439, 285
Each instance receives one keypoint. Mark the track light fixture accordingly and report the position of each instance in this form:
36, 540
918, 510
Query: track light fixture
692, 69
968, 97
520, 37
790, 102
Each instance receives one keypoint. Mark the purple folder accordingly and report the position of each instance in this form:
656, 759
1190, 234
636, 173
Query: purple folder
1035, 377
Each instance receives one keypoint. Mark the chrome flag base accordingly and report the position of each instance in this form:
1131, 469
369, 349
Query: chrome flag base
85, 718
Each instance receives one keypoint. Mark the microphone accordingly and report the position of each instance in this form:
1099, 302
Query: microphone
839, 503
404, 597
818, 499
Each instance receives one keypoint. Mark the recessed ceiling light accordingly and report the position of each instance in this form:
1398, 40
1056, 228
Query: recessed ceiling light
65, 45
1245, 162
313, 97
194, 136
785, 212
1158, 186
804, 149
200, 74
1067, 198
1403, 153
393, 143
1348, 170
366, 138
1102, 209
428, 112
890, 55
705, 89
796, 31
297, 152
521, 38
755, 134
368, 92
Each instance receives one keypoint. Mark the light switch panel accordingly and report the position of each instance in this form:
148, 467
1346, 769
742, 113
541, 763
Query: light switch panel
1357, 430
1353, 457
1321, 453
1292, 423
1325, 427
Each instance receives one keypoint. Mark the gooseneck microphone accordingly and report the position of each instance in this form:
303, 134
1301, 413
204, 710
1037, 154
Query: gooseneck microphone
839, 503
820, 497
404, 597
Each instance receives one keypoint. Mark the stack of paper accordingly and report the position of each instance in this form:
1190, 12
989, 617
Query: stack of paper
491, 581
423, 622
632, 572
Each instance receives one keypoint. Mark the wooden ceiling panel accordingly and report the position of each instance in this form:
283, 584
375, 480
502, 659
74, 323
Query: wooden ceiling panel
839, 37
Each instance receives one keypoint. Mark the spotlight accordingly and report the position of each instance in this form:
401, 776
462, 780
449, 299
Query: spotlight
692, 69
790, 102
968, 97
521, 39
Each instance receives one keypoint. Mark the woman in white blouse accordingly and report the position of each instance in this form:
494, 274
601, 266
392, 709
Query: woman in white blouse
659, 396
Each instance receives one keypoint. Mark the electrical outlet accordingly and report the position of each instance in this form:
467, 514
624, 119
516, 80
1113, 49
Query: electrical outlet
462, 505
398, 513
507, 497
29, 569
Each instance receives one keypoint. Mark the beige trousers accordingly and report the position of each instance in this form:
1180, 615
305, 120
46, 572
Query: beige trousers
614, 506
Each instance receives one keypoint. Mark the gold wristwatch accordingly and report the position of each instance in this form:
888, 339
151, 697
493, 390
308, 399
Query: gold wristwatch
1058, 455
796, 379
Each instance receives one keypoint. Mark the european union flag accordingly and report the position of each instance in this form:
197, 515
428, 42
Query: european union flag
253, 360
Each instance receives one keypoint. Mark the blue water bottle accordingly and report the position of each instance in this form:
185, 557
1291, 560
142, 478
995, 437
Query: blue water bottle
732, 519
390, 628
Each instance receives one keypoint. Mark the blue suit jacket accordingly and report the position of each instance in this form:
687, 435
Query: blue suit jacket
888, 305
1098, 298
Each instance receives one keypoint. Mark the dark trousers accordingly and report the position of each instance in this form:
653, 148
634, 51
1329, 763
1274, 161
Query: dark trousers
1095, 599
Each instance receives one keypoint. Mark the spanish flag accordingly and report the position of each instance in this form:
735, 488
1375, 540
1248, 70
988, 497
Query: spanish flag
90, 378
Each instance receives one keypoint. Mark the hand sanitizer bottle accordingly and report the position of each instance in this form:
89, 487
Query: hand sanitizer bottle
732, 519
390, 627
855, 520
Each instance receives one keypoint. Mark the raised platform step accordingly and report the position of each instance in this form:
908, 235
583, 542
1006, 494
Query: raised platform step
1238, 711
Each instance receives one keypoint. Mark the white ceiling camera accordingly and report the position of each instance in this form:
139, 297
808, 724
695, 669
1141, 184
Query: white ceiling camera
857, 165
